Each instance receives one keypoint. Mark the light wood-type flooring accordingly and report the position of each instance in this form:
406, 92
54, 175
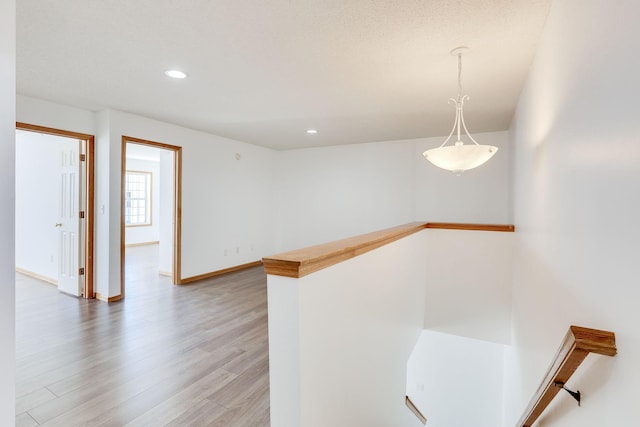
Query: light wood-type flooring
192, 355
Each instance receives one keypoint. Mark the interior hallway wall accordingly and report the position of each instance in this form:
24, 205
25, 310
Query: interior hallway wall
227, 195
456, 381
242, 202
39, 112
480, 195
7, 209
577, 204
228, 188
330, 193
469, 284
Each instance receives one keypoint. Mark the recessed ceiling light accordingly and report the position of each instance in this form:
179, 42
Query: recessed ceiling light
176, 74
312, 131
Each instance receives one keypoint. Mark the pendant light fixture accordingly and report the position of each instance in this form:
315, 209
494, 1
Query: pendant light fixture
459, 157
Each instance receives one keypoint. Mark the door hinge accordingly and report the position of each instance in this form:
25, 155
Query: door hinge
81, 214
81, 271
83, 157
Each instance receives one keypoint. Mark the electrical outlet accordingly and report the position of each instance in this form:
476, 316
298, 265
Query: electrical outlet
237, 249
226, 252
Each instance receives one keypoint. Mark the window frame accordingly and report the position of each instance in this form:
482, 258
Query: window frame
148, 199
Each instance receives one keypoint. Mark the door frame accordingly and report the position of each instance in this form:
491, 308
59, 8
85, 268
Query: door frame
177, 206
89, 189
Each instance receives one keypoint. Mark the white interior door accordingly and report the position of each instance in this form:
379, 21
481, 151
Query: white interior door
69, 278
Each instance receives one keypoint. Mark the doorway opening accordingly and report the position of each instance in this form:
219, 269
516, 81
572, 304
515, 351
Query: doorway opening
55, 207
151, 201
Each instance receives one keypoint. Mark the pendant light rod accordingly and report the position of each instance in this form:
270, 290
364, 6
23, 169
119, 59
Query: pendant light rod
460, 98
459, 102
459, 157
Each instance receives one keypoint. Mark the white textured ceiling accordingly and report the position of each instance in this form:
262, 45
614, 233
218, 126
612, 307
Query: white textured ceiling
263, 71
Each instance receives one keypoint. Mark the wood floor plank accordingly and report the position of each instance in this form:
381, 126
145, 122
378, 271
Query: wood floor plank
240, 392
33, 399
24, 420
80, 406
204, 413
256, 414
165, 355
186, 401
249, 356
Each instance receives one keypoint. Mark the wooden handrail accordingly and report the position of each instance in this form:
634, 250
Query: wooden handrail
576, 346
413, 408
300, 262
477, 227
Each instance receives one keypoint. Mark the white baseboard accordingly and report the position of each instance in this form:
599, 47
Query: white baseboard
47, 279
133, 245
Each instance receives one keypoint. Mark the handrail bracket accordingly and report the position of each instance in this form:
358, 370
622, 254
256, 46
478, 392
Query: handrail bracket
575, 394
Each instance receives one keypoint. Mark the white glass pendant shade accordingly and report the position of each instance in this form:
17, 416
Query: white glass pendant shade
460, 157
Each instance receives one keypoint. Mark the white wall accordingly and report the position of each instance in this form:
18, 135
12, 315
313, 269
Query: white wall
330, 193
227, 203
106, 235
577, 204
478, 196
469, 284
39, 112
456, 381
237, 211
150, 233
7, 209
340, 338
37, 202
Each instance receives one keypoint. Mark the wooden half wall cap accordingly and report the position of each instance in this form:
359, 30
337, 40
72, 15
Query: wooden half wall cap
301, 262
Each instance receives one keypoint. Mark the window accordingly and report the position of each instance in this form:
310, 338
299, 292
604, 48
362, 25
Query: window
137, 198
